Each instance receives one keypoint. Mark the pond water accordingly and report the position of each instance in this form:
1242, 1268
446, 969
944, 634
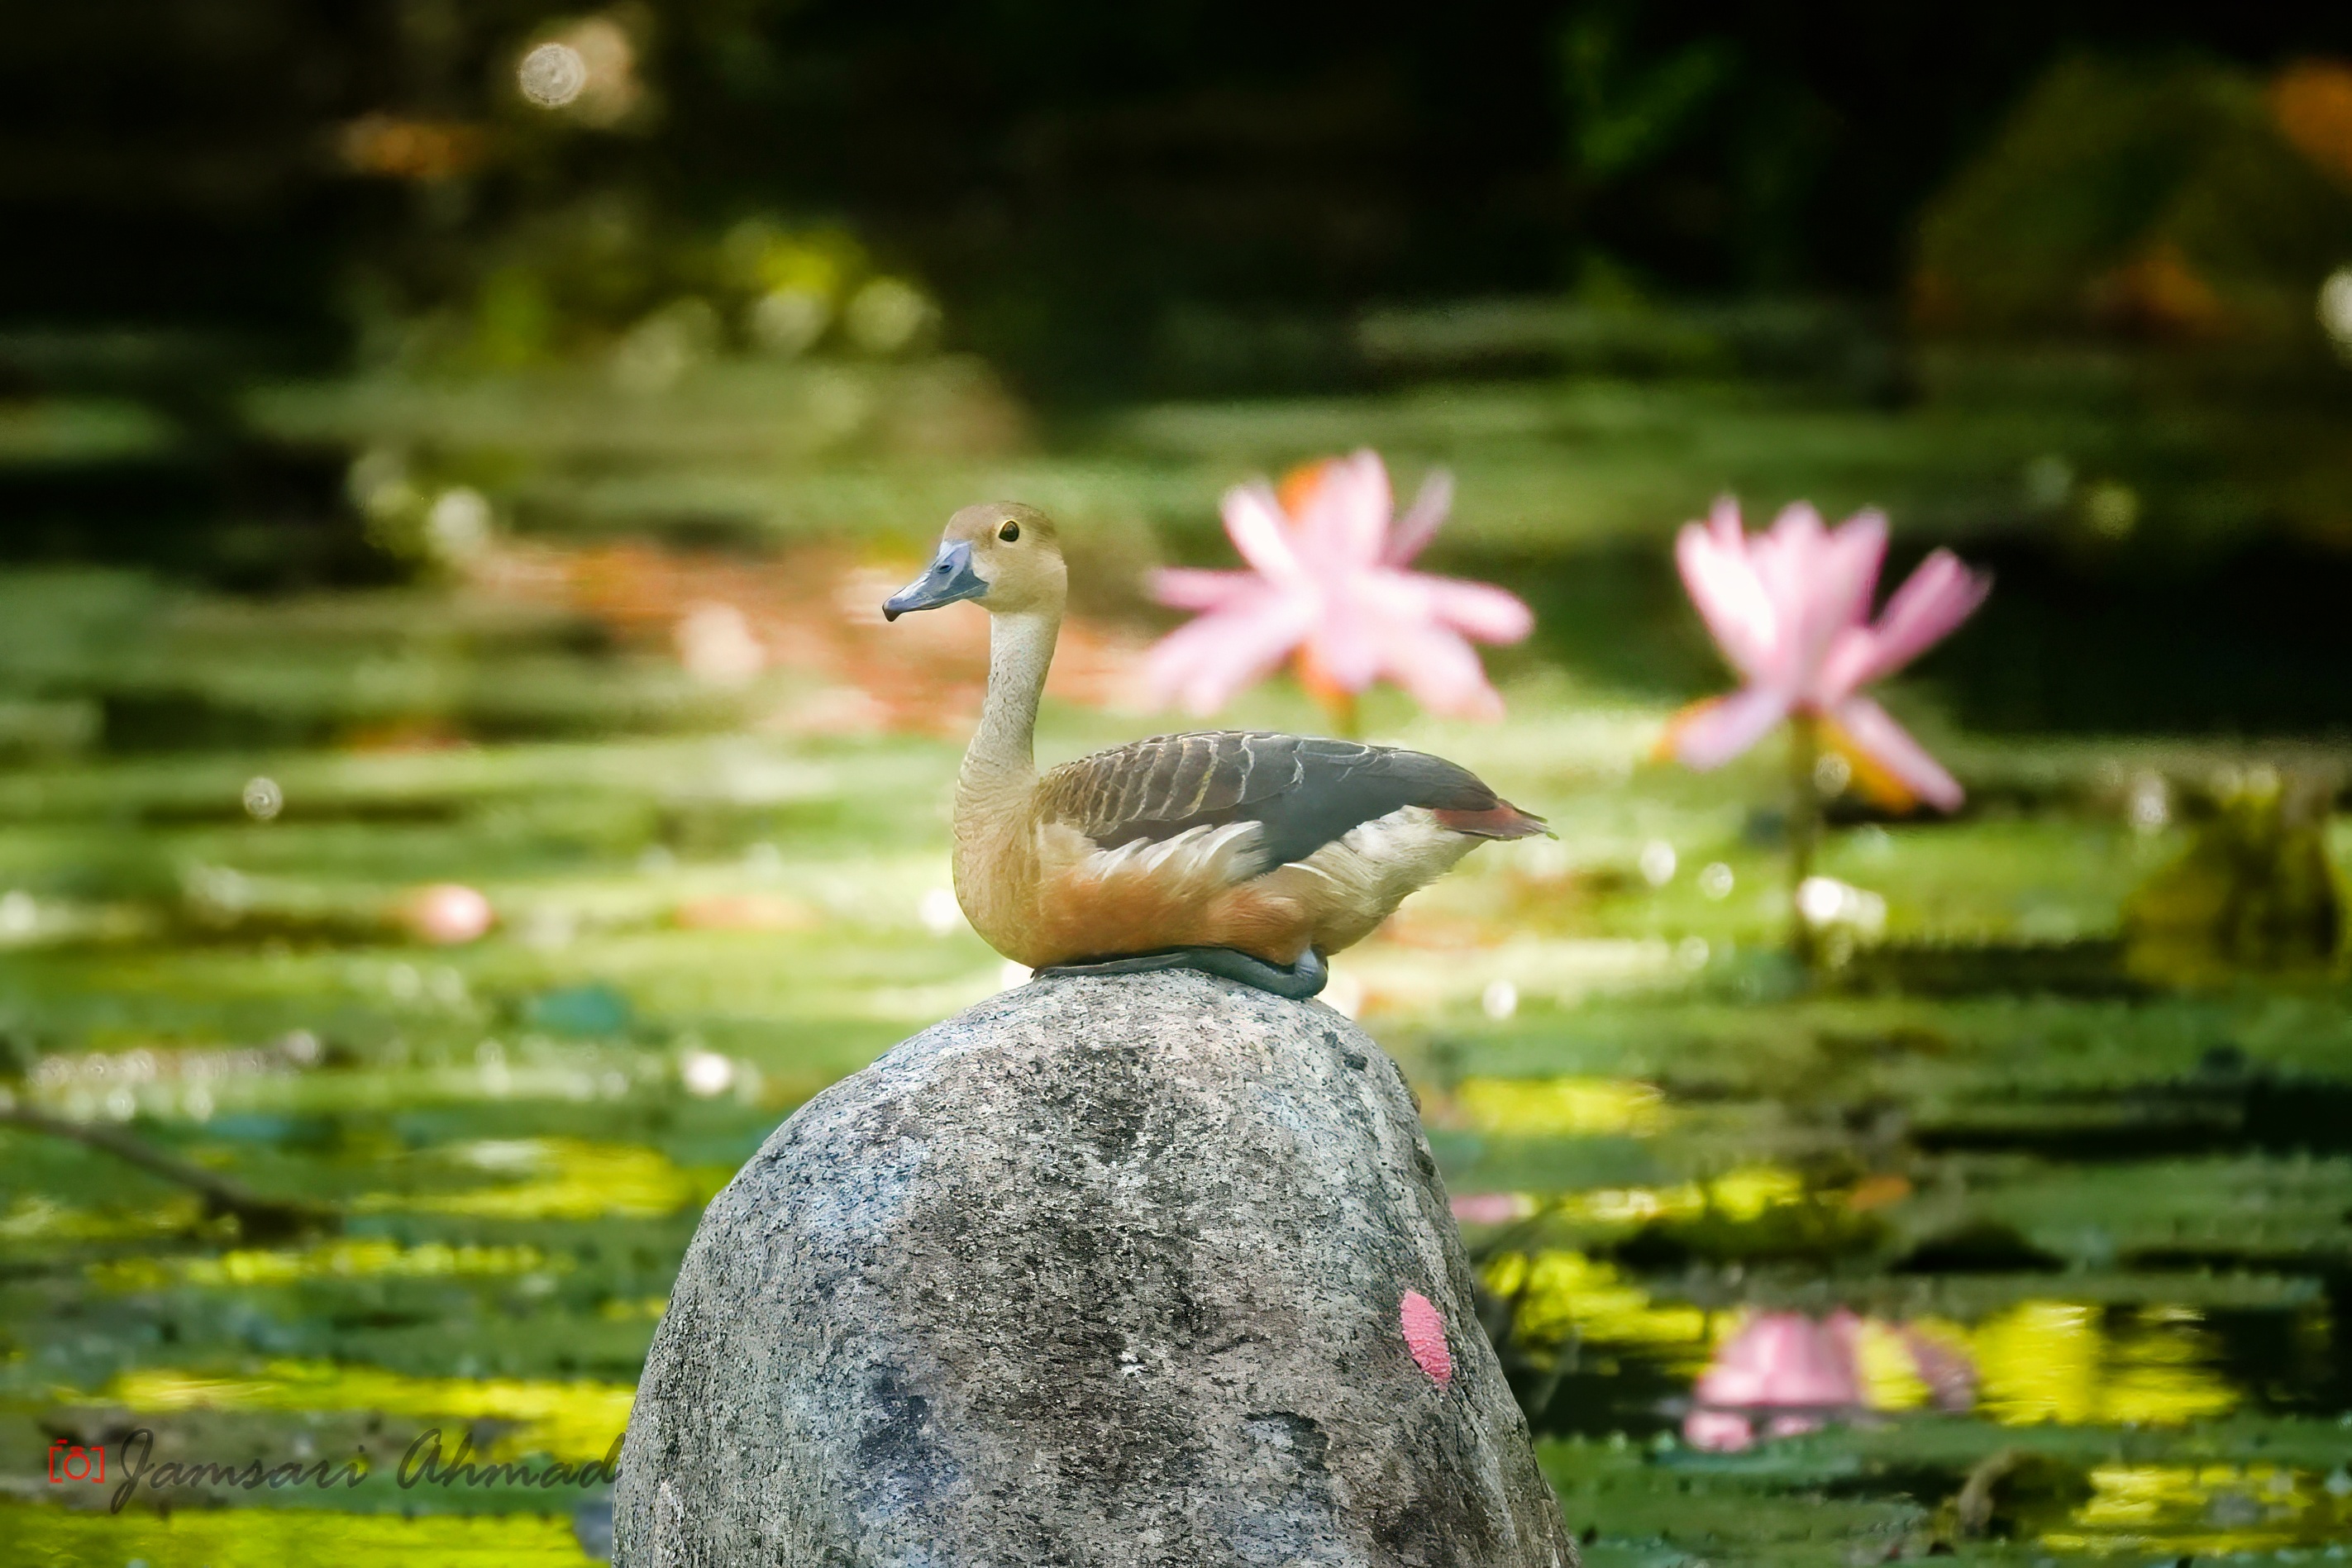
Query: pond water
2061, 1213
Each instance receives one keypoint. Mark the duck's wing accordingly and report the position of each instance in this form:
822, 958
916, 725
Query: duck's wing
1298, 793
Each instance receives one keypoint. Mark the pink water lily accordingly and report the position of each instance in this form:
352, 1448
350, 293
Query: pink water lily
1790, 610
1327, 585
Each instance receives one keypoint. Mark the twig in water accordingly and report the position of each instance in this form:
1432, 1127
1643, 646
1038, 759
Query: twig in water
259, 1219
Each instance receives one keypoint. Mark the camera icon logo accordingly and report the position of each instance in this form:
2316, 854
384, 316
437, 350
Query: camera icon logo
69, 1461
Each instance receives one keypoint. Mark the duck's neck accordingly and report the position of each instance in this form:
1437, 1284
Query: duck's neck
1000, 763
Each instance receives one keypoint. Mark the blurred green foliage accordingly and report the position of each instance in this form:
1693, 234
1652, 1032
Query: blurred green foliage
2161, 198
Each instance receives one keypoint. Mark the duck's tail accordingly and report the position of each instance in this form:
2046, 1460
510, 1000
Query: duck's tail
1500, 821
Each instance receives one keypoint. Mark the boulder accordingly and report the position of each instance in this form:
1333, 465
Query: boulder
1137, 1270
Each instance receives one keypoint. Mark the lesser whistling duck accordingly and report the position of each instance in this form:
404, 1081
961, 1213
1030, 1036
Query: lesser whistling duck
1247, 855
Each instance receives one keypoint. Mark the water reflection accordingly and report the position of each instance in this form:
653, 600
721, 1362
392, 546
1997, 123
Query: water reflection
2078, 1365
1781, 1374
561, 1178
1559, 1296
1560, 1107
1740, 1196
353, 1258
2041, 1361
34, 1217
2210, 1510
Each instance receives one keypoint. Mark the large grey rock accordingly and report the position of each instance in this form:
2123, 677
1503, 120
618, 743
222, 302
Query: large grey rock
1105, 1272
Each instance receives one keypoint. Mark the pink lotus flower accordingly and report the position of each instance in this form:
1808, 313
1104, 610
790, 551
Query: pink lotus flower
1327, 585
1787, 609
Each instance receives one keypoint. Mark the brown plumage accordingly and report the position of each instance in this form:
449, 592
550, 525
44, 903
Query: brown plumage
1269, 844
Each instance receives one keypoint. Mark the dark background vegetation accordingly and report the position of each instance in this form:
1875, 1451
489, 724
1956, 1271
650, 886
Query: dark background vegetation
1209, 200
1075, 179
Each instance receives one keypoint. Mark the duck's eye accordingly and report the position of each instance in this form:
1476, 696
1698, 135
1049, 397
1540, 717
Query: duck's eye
1010, 533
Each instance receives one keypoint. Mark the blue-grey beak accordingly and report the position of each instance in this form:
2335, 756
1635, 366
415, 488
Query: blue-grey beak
949, 579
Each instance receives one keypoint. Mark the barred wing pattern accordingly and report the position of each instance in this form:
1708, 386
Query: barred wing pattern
1302, 793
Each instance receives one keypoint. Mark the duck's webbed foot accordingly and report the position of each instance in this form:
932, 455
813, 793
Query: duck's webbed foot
1296, 981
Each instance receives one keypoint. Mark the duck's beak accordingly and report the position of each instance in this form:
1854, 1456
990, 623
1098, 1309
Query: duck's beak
950, 578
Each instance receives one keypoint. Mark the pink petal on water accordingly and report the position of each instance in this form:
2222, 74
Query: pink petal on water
1424, 1335
1421, 520
1871, 729
1717, 731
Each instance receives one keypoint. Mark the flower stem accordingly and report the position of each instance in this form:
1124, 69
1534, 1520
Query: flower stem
1804, 827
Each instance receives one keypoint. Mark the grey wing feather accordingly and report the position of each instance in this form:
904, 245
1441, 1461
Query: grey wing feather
1303, 793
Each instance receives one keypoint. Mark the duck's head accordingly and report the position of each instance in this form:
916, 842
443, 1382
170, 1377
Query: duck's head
1001, 553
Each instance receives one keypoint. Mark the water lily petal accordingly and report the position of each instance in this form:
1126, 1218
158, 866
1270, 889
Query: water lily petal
1871, 729
1935, 599
1344, 524
1718, 731
1322, 582
1421, 520
1845, 667
1845, 580
1730, 597
1187, 587
1255, 521
1857, 549
1344, 643
1440, 670
1787, 557
1202, 663
1475, 609
1820, 583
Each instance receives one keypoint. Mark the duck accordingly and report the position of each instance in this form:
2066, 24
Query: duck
1244, 853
